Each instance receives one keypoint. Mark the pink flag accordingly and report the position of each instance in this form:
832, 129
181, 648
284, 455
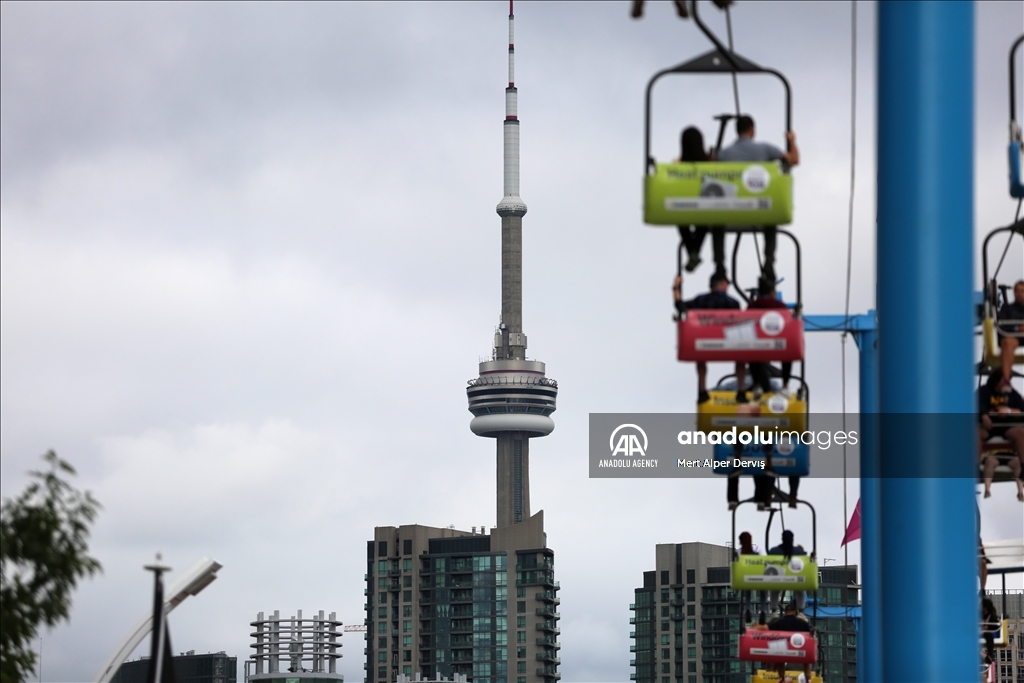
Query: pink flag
853, 530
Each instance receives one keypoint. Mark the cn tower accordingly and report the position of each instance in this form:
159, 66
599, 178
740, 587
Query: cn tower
512, 400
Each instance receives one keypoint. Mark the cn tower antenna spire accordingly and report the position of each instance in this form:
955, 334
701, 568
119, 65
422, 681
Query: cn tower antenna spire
512, 399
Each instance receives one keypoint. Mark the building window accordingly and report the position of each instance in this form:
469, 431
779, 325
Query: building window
520, 622
407, 611
382, 548
406, 596
406, 641
521, 606
691, 667
664, 578
691, 610
691, 594
382, 642
521, 652
382, 657
382, 599
664, 653
406, 655
407, 550
664, 638
382, 672
691, 653
521, 592
406, 626
664, 626
520, 636
407, 581
664, 611
382, 627
691, 638
691, 576
691, 624
521, 667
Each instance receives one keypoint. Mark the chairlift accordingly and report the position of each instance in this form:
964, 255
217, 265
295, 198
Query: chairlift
776, 573
736, 195
994, 296
771, 411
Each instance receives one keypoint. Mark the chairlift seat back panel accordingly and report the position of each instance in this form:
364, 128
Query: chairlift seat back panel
774, 572
721, 413
751, 336
718, 193
763, 676
993, 354
788, 460
999, 635
778, 647
1016, 184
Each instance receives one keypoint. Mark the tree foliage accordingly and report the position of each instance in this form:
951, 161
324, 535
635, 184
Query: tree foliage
43, 554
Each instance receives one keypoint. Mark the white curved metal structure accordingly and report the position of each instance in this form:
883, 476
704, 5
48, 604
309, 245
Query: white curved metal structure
195, 579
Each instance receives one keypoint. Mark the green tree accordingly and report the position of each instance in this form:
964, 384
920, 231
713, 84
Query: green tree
43, 554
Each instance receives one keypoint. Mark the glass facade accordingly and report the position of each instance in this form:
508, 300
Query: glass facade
705, 649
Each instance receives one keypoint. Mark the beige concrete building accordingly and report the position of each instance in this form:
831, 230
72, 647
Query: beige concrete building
445, 602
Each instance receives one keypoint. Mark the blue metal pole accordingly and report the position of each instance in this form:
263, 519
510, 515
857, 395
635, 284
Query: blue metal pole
925, 206
869, 639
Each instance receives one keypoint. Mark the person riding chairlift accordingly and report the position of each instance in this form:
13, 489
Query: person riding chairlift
787, 549
692, 149
714, 299
1009, 341
792, 623
999, 398
747, 149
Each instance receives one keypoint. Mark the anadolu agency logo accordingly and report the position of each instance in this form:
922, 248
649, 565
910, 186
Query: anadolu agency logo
628, 446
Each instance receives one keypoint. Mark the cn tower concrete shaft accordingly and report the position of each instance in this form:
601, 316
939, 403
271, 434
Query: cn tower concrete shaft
513, 478
512, 286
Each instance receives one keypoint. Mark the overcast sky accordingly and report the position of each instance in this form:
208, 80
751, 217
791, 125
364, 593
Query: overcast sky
250, 258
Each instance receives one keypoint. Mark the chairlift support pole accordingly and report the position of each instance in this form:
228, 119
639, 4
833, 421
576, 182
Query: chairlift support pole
925, 363
864, 329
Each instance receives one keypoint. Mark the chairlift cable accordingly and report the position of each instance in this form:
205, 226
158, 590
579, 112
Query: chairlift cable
849, 243
735, 83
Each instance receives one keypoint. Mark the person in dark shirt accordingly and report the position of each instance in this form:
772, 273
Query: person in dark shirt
747, 149
692, 148
1010, 335
714, 299
996, 398
790, 622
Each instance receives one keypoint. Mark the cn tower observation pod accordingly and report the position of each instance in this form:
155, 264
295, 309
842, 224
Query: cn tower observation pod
512, 396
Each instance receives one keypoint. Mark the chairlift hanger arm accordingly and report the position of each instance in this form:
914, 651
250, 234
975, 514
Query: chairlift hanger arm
1013, 84
1017, 228
714, 62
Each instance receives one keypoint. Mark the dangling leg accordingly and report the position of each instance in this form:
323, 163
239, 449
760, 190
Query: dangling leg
718, 249
732, 492
794, 487
702, 382
769, 253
